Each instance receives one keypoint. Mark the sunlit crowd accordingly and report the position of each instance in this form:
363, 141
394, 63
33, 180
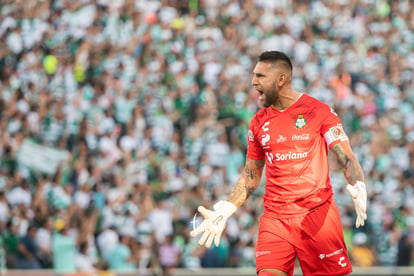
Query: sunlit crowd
119, 118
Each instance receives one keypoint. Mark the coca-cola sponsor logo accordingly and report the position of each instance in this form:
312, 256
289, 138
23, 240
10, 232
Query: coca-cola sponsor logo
301, 137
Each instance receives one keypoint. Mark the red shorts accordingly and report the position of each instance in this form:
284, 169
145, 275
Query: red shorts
316, 239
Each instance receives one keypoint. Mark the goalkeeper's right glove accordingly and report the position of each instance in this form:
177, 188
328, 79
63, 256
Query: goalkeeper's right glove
358, 193
214, 222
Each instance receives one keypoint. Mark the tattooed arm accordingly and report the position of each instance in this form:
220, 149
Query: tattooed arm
350, 165
215, 220
248, 181
355, 177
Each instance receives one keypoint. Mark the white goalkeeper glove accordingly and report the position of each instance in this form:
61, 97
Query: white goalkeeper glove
358, 193
214, 222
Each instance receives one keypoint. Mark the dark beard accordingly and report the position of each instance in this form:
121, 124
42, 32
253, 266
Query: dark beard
270, 98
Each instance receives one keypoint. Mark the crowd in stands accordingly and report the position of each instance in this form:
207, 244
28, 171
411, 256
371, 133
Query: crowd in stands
119, 118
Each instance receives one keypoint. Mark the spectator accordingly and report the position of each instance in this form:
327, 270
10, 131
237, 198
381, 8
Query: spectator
107, 241
361, 253
161, 220
212, 259
169, 255
28, 251
83, 262
63, 248
11, 241
4, 210
43, 240
120, 258
405, 250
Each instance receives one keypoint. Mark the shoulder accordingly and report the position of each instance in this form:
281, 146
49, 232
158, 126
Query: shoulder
311, 100
316, 104
260, 116
257, 121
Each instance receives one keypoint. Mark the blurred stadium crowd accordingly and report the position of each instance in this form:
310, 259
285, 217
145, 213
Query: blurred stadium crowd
120, 117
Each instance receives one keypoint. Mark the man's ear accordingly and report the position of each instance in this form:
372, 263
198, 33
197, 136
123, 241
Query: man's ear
282, 79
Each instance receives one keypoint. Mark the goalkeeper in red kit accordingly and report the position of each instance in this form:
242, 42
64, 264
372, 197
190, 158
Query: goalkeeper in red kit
291, 135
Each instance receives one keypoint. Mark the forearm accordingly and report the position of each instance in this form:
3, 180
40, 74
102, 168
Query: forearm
353, 172
215, 220
350, 165
247, 183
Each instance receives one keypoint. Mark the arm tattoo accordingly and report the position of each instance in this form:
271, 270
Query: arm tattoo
248, 181
350, 165
340, 153
250, 173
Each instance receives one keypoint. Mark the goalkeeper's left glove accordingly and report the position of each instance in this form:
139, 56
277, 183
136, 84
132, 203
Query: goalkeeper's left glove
214, 222
359, 196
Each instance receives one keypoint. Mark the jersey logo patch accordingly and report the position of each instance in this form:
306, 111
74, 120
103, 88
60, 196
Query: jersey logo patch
302, 137
251, 136
261, 253
265, 139
335, 133
265, 126
281, 139
300, 122
342, 262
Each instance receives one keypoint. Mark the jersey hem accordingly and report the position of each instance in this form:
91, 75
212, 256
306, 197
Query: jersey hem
267, 213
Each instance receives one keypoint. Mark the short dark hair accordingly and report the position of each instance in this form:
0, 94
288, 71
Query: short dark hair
276, 56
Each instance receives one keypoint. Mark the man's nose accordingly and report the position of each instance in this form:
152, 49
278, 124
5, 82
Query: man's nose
254, 81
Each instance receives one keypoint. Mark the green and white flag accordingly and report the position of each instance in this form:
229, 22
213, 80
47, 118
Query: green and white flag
40, 158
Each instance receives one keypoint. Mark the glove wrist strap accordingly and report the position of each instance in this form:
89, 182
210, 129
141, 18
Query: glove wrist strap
225, 207
360, 184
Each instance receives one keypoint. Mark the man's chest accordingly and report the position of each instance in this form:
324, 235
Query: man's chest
288, 131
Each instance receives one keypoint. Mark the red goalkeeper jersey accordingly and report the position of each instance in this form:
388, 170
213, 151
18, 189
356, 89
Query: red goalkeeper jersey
294, 143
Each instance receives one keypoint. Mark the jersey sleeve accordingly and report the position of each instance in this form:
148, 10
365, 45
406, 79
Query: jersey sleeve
254, 149
332, 129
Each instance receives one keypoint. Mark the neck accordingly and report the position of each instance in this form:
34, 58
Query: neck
285, 100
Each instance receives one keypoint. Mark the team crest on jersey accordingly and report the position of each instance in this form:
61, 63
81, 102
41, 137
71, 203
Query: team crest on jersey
300, 122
